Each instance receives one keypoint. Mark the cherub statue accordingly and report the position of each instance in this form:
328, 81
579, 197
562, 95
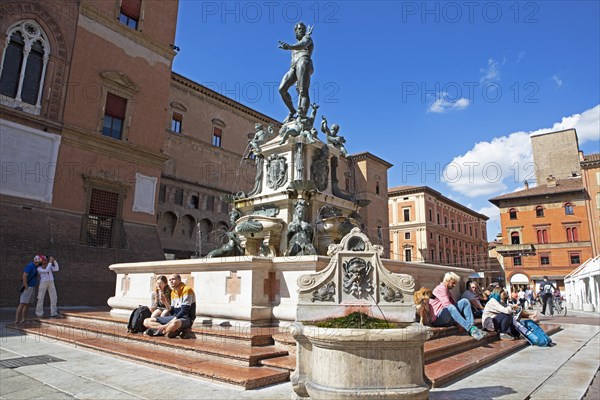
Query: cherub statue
234, 215
332, 136
260, 137
301, 126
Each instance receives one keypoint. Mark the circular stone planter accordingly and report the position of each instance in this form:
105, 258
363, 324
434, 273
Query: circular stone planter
360, 363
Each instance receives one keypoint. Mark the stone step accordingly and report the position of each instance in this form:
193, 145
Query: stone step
190, 363
445, 346
232, 353
443, 370
286, 363
242, 334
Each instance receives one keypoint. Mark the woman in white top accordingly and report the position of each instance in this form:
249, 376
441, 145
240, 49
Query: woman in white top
47, 284
498, 317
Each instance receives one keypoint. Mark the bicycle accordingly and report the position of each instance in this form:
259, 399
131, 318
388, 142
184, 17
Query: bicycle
559, 307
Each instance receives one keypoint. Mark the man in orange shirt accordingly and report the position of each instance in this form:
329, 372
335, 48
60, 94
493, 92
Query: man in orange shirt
182, 309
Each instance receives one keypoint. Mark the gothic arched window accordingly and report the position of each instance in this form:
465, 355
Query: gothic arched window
23, 68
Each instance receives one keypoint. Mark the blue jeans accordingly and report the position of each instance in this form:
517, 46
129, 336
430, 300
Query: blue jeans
461, 314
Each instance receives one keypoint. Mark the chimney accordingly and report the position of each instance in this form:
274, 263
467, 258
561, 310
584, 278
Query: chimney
526, 184
551, 181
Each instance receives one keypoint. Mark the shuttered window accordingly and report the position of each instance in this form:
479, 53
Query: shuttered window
130, 13
176, 121
114, 116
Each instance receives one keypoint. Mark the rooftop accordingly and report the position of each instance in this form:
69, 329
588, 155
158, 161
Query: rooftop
404, 190
562, 186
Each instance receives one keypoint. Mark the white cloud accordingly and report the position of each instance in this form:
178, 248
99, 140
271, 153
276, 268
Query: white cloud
587, 125
557, 80
491, 72
520, 56
489, 167
443, 104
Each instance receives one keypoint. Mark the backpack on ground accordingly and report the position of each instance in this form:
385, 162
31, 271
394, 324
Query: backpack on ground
136, 319
533, 333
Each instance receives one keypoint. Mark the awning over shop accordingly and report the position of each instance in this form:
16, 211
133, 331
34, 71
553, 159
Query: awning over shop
519, 279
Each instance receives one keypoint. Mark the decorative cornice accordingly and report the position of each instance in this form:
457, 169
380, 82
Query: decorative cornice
101, 18
366, 155
404, 190
126, 151
188, 83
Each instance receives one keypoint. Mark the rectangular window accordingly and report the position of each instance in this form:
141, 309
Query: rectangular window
101, 219
432, 251
114, 116
130, 13
574, 258
179, 197
406, 212
517, 262
407, 255
438, 219
162, 194
407, 235
544, 259
217, 136
176, 122
430, 215
210, 203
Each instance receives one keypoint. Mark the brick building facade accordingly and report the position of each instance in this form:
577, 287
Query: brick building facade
83, 91
108, 156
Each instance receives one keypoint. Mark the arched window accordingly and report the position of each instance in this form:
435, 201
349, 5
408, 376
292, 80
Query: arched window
539, 211
23, 68
568, 209
512, 213
542, 236
572, 235
514, 238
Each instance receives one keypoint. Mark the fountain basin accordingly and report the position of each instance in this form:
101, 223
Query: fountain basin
261, 234
334, 363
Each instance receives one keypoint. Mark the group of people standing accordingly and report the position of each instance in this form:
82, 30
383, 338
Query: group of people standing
41, 270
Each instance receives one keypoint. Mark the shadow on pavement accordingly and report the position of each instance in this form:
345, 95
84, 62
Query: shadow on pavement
480, 393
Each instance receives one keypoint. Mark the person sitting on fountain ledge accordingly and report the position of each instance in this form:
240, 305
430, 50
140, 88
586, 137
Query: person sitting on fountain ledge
182, 309
444, 310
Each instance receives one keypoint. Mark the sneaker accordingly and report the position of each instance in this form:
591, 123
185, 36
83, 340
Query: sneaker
506, 336
476, 333
172, 335
153, 332
56, 316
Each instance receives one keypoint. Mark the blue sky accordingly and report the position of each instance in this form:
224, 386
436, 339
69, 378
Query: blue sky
422, 85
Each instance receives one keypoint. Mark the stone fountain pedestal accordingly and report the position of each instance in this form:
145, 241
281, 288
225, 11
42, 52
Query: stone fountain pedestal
360, 363
336, 363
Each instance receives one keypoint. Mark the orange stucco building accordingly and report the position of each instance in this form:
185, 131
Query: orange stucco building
547, 229
426, 226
